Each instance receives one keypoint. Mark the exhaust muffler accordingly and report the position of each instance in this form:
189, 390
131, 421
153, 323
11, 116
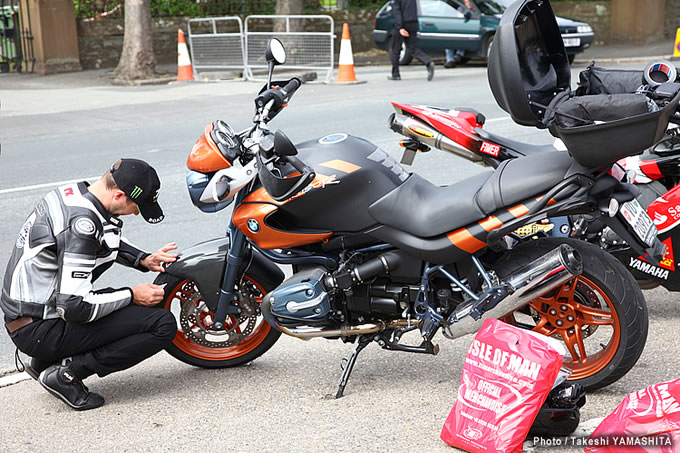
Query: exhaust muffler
542, 275
424, 133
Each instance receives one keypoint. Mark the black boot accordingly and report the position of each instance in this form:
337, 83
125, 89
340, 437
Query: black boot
60, 381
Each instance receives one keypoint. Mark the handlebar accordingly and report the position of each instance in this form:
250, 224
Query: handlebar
291, 87
272, 99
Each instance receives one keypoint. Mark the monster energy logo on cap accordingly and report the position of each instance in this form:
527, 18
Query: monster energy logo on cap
139, 181
136, 192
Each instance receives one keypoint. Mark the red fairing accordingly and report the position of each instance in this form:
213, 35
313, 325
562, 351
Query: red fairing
456, 125
650, 169
665, 210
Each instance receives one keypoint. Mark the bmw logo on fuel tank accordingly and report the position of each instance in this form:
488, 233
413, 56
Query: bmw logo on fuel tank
253, 225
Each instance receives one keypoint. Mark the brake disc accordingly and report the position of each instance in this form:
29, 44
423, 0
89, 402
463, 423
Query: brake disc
196, 321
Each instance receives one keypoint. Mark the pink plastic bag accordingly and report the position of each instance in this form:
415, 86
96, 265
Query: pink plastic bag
507, 375
645, 421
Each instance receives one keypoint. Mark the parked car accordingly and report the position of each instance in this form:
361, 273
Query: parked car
450, 24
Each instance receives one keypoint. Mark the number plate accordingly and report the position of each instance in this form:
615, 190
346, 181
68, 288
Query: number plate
572, 42
636, 217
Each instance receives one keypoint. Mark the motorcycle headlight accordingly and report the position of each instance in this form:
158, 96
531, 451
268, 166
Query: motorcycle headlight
197, 183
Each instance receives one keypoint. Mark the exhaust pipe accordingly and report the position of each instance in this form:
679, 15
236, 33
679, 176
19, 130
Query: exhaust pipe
424, 133
345, 331
540, 276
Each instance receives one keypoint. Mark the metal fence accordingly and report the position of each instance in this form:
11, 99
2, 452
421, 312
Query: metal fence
308, 40
216, 44
16, 38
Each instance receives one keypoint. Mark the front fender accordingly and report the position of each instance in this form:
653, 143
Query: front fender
204, 264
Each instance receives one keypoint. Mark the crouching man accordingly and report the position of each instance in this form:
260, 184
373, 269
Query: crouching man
52, 313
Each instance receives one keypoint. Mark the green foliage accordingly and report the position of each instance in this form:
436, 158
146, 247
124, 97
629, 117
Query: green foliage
178, 8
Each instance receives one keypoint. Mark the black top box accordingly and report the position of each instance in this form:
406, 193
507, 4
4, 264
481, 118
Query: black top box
530, 78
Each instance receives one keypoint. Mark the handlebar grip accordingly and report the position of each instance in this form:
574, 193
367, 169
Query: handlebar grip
291, 86
300, 166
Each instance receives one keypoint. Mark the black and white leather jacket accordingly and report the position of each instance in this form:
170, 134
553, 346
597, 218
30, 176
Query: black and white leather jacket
66, 243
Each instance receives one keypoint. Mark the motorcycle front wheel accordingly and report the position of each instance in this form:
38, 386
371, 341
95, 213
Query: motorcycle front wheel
243, 338
600, 316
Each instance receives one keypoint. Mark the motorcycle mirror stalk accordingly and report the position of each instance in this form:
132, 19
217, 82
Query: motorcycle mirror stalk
275, 55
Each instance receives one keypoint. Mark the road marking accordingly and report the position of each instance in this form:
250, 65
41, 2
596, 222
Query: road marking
493, 120
42, 186
13, 378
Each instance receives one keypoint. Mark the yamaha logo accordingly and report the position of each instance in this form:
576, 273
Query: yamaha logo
253, 225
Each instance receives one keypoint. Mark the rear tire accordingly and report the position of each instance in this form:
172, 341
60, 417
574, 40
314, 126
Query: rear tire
405, 57
604, 298
243, 339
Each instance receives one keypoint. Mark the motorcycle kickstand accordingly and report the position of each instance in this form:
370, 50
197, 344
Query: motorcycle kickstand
349, 362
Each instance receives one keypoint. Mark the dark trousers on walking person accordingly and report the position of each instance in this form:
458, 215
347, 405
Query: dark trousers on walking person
115, 342
411, 49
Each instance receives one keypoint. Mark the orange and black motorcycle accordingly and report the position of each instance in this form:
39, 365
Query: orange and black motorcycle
378, 252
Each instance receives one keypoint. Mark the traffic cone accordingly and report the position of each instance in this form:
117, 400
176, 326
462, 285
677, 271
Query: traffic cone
346, 60
184, 70
676, 49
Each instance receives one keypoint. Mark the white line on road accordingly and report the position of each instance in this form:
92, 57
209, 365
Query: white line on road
13, 378
493, 120
49, 184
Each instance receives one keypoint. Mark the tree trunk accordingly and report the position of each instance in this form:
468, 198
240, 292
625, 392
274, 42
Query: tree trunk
137, 60
286, 8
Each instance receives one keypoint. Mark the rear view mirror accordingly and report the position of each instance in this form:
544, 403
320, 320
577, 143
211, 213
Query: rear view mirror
467, 15
275, 53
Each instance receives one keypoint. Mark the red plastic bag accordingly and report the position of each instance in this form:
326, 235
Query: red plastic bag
645, 421
507, 375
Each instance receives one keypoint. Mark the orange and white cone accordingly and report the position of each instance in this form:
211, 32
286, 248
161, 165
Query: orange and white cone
184, 69
346, 60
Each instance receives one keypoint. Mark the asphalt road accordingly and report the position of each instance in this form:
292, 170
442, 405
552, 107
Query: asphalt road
394, 401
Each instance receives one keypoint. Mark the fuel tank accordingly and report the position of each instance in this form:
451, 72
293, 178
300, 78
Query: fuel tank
351, 174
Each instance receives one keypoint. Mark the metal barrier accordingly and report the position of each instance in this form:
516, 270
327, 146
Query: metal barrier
216, 44
309, 49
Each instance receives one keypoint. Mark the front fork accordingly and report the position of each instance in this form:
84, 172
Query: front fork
227, 303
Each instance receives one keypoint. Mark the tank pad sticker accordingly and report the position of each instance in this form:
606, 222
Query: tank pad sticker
383, 158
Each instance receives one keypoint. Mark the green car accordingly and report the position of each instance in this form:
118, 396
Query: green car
449, 24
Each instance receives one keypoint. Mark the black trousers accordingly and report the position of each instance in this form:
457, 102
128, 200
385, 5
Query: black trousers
113, 343
411, 41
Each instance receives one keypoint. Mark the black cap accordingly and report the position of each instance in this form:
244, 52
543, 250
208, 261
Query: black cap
140, 183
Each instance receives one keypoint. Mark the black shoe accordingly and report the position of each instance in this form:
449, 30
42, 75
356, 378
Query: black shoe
60, 381
34, 367
450, 64
430, 71
458, 58
393, 77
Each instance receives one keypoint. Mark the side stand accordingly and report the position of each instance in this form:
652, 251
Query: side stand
348, 363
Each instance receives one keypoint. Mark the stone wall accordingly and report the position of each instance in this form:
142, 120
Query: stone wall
597, 14
672, 18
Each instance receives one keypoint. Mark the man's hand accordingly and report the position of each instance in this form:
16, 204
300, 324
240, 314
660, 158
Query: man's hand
403, 32
147, 294
154, 262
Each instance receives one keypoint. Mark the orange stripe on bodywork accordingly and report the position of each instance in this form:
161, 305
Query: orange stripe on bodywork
518, 211
551, 201
341, 165
490, 223
465, 241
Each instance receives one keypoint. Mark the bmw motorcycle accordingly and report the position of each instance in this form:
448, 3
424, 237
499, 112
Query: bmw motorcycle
378, 252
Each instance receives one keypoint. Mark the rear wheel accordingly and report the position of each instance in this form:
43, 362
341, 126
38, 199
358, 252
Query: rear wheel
243, 338
600, 316
405, 57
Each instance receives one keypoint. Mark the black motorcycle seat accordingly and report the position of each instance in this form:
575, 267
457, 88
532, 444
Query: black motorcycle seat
523, 148
423, 209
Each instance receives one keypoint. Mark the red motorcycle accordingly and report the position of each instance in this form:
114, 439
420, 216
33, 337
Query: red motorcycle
378, 252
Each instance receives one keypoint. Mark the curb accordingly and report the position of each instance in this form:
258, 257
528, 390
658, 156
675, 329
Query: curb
621, 60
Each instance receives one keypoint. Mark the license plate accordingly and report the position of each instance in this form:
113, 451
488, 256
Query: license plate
572, 42
637, 218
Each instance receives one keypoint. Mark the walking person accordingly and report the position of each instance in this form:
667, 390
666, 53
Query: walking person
405, 14
53, 314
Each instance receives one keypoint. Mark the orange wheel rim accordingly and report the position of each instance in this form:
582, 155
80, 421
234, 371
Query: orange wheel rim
183, 293
582, 316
